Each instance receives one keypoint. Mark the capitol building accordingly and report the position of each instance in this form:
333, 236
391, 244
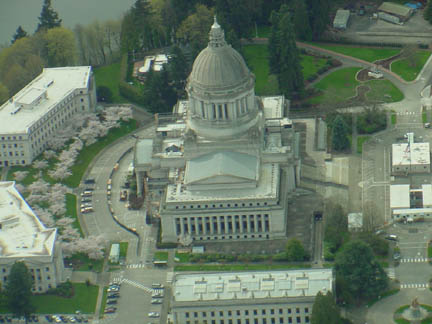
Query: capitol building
225, 164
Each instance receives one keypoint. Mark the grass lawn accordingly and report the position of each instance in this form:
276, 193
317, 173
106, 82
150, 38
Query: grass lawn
81, 262
360, 141
103, 302
123, 249
160, 256
238, 267
109, 76
406, 69
383, 91
84, 299
369, 54
393, 119
29, 179
256, 57
311, 65
337, 86
71, 211
183, 257
429, 250
89, 152
424, 117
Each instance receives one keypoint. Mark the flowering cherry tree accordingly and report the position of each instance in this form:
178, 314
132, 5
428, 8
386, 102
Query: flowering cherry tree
20, 175
40, 164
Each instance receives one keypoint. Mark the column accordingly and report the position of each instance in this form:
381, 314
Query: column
181, 226
248, 224
197, 232
204, 222
189, 225
218, 225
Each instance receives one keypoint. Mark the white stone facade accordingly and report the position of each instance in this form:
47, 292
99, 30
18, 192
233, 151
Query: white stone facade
30, 118
24, 238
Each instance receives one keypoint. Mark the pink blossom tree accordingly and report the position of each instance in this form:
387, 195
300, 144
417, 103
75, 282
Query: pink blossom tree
20, 175
40, 164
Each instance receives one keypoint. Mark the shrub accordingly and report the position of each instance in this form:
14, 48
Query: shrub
104, 94
64, 290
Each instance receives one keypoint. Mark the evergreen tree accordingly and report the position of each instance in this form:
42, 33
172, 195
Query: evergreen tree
325, 310
274, 43
359, 272
18, 291
290, 74
428, 12
142, 14
339, 135
319, 11
178, 69
20, 33
48, 18
301, 20
295, 251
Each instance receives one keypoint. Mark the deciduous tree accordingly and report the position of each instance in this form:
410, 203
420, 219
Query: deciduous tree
325, 310
61, 48
295, 251
18, 291
340, 139
359, 272
427, 14
4, 93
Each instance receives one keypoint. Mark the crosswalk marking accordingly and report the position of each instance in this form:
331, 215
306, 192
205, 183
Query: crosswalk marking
391, 273
414, 285
135, 266
414, 260
407, 113
138, 285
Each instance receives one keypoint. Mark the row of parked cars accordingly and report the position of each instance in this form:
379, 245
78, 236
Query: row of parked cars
113, 294
65, 319
86, 196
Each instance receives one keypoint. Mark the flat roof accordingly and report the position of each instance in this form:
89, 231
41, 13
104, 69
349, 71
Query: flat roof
22, 234
273, 106
342, 17
412, 154
400, 196
58, 83
427, 194
143, 152
251, 285
395, 9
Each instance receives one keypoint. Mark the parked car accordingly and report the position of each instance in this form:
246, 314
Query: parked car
115, 295
49, 318
157, 285
113, 289
110, 310
123, 195
396, 256
391, 237
156, 301
87, 210
153, 314
89, 181
86, 200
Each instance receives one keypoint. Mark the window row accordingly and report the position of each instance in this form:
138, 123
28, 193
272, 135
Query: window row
224, 205
272, 320
247, 312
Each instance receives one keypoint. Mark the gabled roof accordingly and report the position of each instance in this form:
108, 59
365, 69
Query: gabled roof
223, 165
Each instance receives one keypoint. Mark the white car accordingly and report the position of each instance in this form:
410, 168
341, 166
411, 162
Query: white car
153, 314
113, 289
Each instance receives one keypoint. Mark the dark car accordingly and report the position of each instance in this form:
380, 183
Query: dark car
49, 318
8, 319
115, 295
89, 181
112, 302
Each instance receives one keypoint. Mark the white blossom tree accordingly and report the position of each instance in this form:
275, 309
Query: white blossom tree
60, 172
49, 154
58, 208
64, 221
40, 164
44, 216
20, 175
22, 189
39, 187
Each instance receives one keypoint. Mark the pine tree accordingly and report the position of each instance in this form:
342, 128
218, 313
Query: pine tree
339, 135
325, 310
48, 18
273, 43
301, 20
178, 68
428, 12
142, 13
20, 33
290, 74
18, 291
318, 11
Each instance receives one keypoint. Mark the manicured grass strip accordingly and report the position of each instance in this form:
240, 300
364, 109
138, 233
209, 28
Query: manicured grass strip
123, 249
161, 256
369, 54
103, 302
109, 76
408, 69
29, 179
84, 300
383, 91
311, 65
360, 141
424, 117
89, 152
85, 263
183, 257
71, 211
257, 58
337, 86
238, 267
401, 309
393, 119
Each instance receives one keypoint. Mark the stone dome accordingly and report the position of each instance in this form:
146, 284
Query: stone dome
219, 66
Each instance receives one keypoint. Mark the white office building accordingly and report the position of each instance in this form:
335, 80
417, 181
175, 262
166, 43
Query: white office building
410, 157
226, 162
411, 204
24, 238
265, 297
30, 118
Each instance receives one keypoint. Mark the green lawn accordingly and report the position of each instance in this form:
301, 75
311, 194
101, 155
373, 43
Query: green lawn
424, 117
238, 267
183, 257
103, 302
369, 54
393, 119
123, 249
81, 262
383, 91
29, 179
257, 58
109, 76
84, 299
337, 86
71, 211
409, 69
89, 152
311, 65
360, 141
160, 256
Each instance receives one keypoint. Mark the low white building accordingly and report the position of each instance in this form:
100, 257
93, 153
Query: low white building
355, 222
24, 238
341, 19
248, 297
30, 118
410, 157
409, 204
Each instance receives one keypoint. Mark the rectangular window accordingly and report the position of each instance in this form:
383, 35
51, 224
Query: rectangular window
226, 111
220, 112
214, 111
